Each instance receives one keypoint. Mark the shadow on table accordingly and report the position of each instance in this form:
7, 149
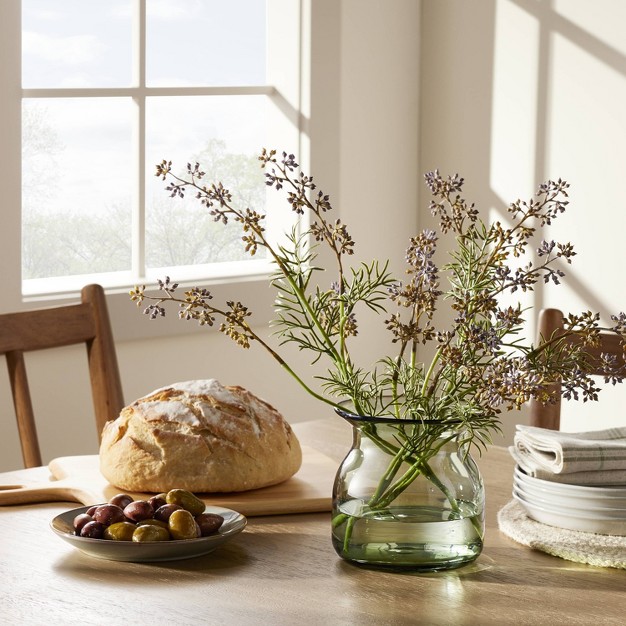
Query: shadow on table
499, 568
258, 553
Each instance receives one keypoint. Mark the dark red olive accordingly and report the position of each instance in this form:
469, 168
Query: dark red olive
93, 530
121, 499
209, 523
80, 520
139, 510
109, 514
163, 512
157, 501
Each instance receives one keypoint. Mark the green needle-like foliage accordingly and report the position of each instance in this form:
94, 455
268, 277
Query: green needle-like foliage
482, 364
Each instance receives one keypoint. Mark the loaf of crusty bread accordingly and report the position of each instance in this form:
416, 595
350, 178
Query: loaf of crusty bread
200, 436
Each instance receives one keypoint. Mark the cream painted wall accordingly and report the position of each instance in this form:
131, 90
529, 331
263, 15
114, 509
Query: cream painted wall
516, 92
512, 92
363, 124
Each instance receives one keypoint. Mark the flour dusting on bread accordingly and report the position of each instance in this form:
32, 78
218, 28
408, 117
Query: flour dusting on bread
201, 436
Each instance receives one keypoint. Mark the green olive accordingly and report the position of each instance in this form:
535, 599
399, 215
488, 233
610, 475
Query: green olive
186, 499
120, 531
150, 532
153, 522
183, 525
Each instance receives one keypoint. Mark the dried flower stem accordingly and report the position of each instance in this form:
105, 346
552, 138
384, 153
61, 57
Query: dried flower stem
477, 371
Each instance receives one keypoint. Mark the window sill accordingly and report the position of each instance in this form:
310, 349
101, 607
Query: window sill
63, 287
252, 289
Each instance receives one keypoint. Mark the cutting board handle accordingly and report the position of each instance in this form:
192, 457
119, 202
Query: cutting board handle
57, 491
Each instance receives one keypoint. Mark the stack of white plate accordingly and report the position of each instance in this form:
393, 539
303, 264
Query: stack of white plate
575, 507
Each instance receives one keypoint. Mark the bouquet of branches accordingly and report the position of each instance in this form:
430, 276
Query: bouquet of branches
482, 364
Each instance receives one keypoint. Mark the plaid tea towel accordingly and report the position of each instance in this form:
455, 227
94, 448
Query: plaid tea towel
587, 458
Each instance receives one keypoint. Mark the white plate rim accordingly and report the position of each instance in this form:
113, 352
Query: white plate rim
615, 491
576, 523
573, 511
552, 498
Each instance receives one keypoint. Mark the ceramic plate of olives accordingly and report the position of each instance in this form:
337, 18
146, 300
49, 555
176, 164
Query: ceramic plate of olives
126, 530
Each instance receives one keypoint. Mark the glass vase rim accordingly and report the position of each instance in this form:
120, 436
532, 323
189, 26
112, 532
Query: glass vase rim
387, 419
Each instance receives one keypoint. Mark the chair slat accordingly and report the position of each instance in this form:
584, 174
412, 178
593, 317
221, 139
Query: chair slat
88, 323
46, 328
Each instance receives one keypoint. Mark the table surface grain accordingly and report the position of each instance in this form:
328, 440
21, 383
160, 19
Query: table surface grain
283, 570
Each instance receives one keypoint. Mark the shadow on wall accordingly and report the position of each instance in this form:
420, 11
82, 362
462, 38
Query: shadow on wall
515, 92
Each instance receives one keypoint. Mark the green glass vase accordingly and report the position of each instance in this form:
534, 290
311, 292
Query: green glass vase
408, 496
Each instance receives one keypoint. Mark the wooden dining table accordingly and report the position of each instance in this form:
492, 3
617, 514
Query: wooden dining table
282, 569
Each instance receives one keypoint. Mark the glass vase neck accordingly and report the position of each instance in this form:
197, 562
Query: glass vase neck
356, 420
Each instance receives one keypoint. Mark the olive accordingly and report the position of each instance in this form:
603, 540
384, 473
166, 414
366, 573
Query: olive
150, 532
120, 531
138, 510
121, 499
177, 514
80, 520
183, 525
109, 514
93, 530
186, 499
209, 523
157, 501
163, 512
153, 522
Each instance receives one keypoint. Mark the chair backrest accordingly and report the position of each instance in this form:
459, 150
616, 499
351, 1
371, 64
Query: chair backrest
87, 322
551, 323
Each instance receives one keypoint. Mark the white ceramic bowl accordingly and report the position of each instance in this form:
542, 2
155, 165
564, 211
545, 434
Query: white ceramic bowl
571, 521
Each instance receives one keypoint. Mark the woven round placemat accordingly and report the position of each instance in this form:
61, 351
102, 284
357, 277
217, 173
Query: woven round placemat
572, 545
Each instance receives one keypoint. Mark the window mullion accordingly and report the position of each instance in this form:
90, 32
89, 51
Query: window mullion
139, 142
10, 155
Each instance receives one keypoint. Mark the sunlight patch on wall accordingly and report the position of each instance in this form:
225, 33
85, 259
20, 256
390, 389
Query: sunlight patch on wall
603, 19
514, 100
587, 118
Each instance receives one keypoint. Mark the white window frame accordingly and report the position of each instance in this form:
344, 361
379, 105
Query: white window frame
287, 25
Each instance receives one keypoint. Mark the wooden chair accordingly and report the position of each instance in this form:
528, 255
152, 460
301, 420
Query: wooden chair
551, 322
87, 322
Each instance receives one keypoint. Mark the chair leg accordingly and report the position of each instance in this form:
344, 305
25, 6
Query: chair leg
23, 409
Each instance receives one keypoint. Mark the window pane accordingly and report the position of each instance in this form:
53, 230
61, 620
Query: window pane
76, 43
76, 186
205, 43
225, 134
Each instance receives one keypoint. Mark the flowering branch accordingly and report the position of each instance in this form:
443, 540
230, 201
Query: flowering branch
480, 367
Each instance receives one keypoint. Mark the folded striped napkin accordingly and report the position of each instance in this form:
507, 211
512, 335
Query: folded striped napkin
589, 458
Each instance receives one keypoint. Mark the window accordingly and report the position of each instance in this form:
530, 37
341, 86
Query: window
110, 89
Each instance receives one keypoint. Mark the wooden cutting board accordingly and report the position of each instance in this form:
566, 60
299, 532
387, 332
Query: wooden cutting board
78, 479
